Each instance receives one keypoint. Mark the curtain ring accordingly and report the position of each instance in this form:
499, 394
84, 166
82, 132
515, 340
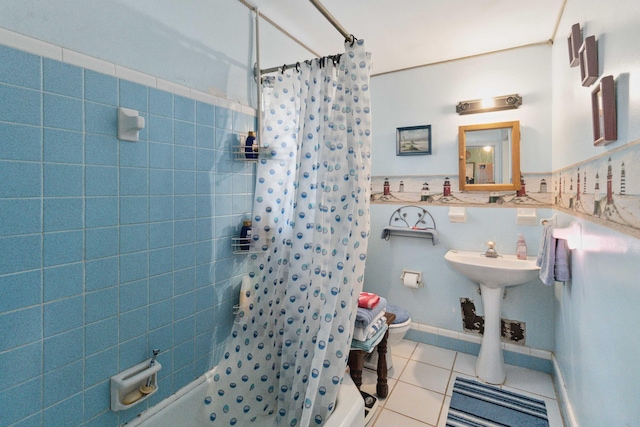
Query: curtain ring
284, 68
353, 39
297, 66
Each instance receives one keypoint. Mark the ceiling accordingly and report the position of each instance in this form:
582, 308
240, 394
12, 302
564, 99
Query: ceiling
403, 34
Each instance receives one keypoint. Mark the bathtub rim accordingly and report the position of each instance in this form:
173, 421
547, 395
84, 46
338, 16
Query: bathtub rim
153, 410
352, 414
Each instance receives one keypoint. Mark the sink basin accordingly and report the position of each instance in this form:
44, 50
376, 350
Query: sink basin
493, 274
506, 270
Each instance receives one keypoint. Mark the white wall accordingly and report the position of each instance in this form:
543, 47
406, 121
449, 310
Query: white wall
208, 46
596, 315
615, 26
438, 302
428, 96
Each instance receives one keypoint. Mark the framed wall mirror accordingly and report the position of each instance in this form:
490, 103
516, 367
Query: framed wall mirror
489, 156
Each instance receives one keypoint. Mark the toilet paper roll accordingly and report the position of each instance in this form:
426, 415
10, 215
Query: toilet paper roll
411, 280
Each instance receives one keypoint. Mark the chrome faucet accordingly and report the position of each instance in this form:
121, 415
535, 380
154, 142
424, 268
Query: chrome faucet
491, 252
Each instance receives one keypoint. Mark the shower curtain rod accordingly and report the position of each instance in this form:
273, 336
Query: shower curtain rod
323, 10
287, 66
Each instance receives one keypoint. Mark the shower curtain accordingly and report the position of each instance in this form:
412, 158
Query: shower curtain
289, 346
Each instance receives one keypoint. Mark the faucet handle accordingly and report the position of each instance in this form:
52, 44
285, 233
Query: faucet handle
491, 244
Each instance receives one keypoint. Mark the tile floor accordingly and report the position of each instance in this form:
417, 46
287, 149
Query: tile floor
421, 383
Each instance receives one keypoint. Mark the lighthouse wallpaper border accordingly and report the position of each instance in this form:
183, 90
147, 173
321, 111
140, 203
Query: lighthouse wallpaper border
604, 189
441, 190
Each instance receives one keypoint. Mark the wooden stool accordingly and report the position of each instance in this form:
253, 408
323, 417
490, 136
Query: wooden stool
356, 363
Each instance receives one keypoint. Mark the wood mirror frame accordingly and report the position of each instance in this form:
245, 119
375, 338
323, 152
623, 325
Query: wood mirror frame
515, 157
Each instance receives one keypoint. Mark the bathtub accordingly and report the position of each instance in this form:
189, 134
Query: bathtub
181, 409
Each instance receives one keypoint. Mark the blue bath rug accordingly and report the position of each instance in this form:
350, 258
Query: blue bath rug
475, 404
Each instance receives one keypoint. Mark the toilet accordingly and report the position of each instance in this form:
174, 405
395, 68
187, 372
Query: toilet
397, 331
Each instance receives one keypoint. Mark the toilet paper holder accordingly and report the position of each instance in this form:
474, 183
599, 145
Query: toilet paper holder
416, 274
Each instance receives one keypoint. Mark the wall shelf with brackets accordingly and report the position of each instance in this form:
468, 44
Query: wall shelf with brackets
411, 221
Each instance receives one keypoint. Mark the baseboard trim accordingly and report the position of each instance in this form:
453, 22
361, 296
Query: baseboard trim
518, 355
564, 403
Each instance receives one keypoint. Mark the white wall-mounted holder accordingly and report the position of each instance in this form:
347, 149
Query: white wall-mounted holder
411, 279
572, 234
457, 214
127, 383
526, 216
553, 220
129, 124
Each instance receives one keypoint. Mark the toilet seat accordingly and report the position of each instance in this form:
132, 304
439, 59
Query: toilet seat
402, 316
404, 324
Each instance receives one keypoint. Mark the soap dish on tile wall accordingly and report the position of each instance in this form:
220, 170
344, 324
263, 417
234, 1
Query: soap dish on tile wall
125, 386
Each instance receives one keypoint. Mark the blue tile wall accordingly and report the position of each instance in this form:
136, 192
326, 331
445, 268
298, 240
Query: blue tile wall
21, 216
63, 281
62, 112
20, 142
62, 146
28, 111
100, 88
20, 68
62, 79
20, 179
110, 248
62, 349
20, 290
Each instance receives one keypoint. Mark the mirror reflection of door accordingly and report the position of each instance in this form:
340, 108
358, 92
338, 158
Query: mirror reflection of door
470, 175
492, 148
483, 160
485, 174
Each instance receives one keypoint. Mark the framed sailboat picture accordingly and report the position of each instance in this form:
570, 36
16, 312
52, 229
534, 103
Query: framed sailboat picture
413, 140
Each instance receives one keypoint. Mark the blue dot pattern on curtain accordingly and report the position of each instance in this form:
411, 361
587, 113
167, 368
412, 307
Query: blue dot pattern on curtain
288, 350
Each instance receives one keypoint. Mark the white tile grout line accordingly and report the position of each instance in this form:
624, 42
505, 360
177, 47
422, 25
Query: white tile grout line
521, 349
47, 50
453, 373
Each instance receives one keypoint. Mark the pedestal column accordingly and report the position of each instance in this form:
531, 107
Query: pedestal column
490, 364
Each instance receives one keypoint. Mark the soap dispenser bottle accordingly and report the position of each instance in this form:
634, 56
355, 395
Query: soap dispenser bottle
521, 248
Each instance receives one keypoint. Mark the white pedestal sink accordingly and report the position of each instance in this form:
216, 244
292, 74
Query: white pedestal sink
493, 274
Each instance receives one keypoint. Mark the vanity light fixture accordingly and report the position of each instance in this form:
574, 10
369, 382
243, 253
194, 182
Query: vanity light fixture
506, 102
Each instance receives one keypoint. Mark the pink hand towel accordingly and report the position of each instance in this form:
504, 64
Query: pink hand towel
368, 300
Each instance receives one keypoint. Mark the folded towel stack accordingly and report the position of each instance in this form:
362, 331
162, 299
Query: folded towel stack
370, 318
365, 316
370, 344
363, 334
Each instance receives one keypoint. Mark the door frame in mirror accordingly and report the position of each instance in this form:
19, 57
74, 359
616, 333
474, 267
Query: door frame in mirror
515, 157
